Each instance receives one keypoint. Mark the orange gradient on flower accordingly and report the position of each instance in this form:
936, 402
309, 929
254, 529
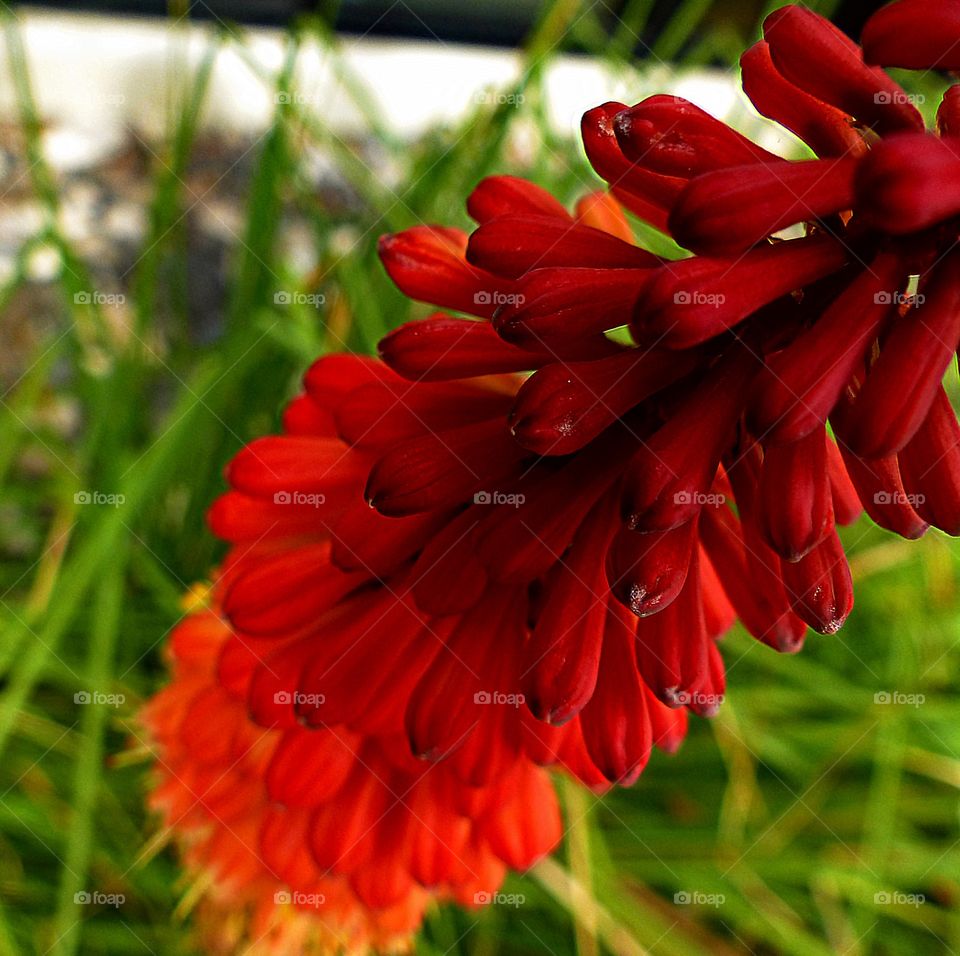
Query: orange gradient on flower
320, 840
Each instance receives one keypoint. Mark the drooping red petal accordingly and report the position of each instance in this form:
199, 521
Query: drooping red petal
448, 577
795, 501
647, 571
909, 182
670, 136
750, 574
526, 824
523, 534
930, 466
718, 612
672, 646
559, 308
305, 416
510, 195
309, 766
668, 480
332, 377
493, 748
798, 386
428, 263
616, 725
438, 838
342, 841
648, 195
847, 507
282, 593
364, 540
915, 35
881, 490
565, 405
724, 212
692, 300
563, 653
364, 673
443, 469
442, 348
388, 412
748, 568
273, 688
820, 587
238, 517
511, 246
377, 886
818, 58
825, 129
452, 698
902, 382
281, 467
668, 724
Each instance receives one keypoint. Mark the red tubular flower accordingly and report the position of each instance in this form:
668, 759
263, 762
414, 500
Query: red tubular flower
495, 572
329, 840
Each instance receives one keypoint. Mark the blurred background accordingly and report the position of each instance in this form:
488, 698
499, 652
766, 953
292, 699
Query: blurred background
190, 198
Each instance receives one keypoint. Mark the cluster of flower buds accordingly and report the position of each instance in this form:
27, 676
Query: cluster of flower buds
515, 540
